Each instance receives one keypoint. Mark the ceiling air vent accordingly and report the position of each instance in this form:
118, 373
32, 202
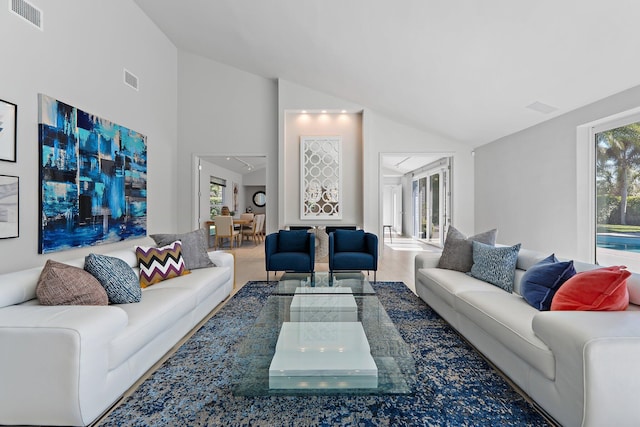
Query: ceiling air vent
27, 11
130, 79
541, 107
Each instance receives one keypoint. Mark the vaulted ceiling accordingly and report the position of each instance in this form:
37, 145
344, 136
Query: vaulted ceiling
465, 69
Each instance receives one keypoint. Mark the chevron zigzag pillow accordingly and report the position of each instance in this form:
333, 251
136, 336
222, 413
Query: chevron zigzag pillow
158, 264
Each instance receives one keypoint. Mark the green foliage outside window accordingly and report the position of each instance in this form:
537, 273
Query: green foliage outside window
216, 199
618, 175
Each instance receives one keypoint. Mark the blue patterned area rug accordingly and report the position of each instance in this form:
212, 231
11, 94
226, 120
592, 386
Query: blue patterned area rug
455, 386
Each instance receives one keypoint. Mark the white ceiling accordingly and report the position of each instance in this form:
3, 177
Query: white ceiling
465, 69
400, 164
239, 164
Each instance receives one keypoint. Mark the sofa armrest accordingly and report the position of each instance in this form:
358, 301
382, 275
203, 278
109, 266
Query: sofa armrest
224, 259
49, 349
221, 258
597, 352
427, 260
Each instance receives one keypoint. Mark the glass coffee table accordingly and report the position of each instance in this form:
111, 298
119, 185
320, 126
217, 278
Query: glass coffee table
323, 335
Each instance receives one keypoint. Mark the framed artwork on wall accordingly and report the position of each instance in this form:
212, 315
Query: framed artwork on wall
93, 179
321, 177
9, 206
236, 191
8, 125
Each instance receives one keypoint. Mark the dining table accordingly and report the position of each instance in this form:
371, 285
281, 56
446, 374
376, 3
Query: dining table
236, 221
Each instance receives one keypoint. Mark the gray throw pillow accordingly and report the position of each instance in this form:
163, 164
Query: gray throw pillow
116, 277
194, 247
457, 253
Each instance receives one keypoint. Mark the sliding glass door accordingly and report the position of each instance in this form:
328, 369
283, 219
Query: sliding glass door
431, 202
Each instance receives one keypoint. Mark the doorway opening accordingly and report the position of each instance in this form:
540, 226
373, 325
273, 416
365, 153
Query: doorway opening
237, 177
416, 196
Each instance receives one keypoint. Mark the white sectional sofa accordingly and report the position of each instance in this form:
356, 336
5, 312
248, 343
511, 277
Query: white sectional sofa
66, 365
579, 366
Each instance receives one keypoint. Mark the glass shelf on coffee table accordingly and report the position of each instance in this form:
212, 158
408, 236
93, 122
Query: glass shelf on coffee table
322, 282
323, 335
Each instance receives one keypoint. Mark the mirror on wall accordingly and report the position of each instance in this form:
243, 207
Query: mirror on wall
260, 199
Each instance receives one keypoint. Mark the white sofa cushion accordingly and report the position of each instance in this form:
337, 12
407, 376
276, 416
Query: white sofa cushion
158, 310
448, 283
508, 318
203, 282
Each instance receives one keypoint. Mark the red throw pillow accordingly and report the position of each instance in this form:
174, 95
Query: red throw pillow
604, 289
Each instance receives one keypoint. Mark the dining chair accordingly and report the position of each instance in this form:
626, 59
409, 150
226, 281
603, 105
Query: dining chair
260, 218
245, 217
252, 232
225, 230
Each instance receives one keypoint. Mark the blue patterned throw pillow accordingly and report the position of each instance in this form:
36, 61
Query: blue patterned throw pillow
495, 265
116, 276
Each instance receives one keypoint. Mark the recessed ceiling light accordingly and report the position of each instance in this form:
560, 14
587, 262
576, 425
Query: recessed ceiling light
343, 111
542, 108
324, 111
304, 111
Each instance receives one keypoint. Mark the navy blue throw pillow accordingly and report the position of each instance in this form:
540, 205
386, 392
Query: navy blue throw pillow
349, 240
116, 277
292, 240
540, 283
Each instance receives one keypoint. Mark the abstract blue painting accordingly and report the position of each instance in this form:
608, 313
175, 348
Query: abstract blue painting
93, 179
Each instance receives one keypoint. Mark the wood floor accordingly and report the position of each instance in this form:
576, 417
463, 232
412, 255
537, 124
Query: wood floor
395, 262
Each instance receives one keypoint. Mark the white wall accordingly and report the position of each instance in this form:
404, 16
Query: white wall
223, 111
349, 127
208, 170
527, 185
256, 177
407, 205
79, 59
381, 135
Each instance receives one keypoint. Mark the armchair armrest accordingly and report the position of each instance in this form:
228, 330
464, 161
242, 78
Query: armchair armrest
371, 240
311, 248
271, 244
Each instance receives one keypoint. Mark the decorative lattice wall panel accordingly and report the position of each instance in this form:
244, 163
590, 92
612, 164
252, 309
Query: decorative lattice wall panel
321, 177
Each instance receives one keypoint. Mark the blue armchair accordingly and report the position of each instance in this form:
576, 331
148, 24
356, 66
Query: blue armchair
353, 250
289, 250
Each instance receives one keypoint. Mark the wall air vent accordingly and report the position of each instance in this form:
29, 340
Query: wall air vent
27, 11
130, 79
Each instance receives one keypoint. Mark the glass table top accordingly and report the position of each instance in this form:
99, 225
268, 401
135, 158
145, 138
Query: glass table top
338, 341
321, 282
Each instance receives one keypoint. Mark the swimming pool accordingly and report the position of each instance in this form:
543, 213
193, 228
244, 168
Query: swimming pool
620, 242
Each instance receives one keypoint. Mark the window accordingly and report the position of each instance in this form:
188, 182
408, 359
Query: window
617, 190
216, 195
